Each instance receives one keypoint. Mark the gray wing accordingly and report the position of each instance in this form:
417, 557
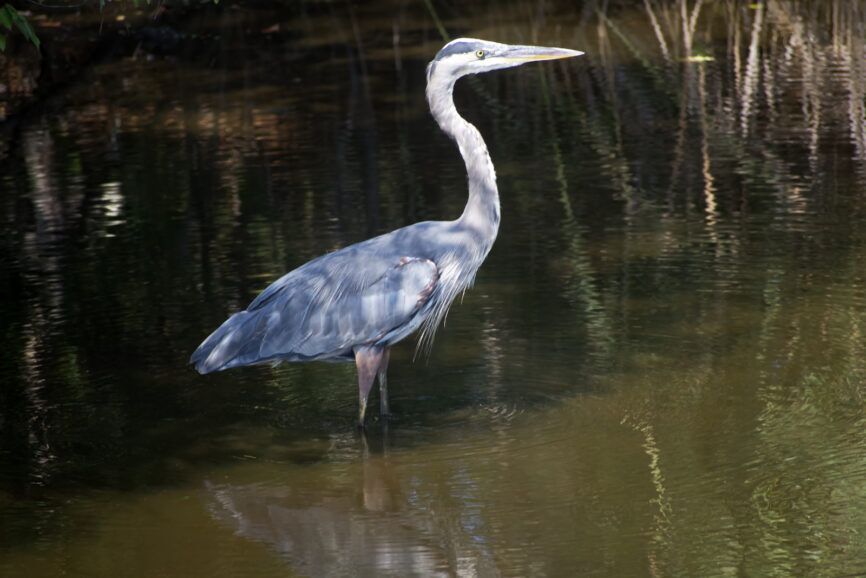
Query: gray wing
324, 309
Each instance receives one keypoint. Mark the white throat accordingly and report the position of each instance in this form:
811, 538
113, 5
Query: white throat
482, 207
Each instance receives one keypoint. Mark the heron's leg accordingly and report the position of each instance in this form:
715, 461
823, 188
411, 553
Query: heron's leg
383, 383
367, 360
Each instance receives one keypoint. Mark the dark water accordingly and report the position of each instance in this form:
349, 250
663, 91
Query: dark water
660, 371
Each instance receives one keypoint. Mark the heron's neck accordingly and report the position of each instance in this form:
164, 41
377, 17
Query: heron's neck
482, 209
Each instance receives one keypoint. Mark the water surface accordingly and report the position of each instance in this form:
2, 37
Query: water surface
659, 372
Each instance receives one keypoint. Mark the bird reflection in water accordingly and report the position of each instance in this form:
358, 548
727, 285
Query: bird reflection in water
371, 523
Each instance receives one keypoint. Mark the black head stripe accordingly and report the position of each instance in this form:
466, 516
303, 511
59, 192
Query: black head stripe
456, 48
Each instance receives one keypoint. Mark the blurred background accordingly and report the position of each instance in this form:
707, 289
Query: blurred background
660, 371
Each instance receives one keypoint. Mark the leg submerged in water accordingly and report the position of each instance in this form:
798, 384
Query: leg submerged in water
367, 360
383, 383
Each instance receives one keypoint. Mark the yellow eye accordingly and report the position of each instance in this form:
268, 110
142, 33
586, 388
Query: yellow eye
479, 54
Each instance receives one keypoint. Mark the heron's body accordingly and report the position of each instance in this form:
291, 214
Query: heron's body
355, 303
376, 292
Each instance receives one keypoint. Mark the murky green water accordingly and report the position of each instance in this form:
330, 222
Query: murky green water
660, 371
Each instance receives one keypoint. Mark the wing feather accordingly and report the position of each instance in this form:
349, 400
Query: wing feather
323, 309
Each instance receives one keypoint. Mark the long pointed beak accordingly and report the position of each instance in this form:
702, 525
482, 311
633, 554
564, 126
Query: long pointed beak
531, 53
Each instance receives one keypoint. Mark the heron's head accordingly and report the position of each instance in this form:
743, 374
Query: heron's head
472, 56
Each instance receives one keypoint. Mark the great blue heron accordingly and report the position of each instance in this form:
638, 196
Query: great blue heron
355, 303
